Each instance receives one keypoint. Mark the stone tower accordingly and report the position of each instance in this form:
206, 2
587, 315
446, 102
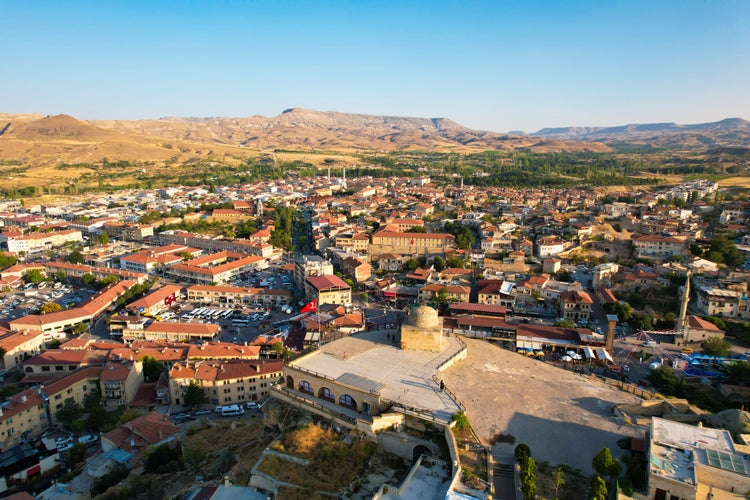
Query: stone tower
422, 330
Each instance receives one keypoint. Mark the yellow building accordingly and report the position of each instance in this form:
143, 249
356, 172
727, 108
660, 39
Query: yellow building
225, 382
22, 417
74, 386
328, 289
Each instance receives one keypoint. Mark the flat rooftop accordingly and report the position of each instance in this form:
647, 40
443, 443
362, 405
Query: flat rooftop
676, 448
403, 377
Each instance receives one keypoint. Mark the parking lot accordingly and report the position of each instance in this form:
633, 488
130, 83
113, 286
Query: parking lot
30, 298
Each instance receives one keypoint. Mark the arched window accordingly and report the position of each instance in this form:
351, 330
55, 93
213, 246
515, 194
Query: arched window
289, 382
347, 401
304, 386
327, 394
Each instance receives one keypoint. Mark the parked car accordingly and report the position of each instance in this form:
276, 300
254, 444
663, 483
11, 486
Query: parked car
252, 405
202, 412
88, 438
63, 441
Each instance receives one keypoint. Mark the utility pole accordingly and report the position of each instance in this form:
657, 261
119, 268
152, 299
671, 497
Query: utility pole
682, 325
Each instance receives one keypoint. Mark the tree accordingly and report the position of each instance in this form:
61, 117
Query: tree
439, 263
662, 377
79, 328
69, 412
716, 346
605, 465
61, 276
50, 307
103, 239
558, 478
76, 257
602, 461
88, 279
522, 453
152, 368
76, 454
33, 276
410, 265
194, 395
194, 456
565, 323
7, 261
598, 489
454, 261
528, 478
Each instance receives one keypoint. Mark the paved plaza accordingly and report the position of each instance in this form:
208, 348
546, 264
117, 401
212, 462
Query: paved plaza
404, 377
564, 417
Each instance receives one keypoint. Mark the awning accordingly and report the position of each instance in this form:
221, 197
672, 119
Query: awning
37, 469
589, 352
603, 354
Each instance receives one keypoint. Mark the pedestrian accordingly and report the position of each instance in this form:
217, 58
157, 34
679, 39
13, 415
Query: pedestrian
442, 386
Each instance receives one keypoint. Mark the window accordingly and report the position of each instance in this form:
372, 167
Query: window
347, 401
327, 394
304, 386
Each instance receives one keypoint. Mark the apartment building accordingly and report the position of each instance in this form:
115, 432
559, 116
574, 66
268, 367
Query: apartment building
328, 289
38, 242
226, 294
225, 382
658, 246
23, 416
120, 382
310, 265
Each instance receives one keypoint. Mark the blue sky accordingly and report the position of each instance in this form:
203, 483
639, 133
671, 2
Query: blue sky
488, 65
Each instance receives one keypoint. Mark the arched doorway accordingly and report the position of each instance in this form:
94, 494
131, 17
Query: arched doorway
289, 382
420, 450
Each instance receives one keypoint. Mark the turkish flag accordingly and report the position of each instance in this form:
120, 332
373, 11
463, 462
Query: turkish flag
310, 306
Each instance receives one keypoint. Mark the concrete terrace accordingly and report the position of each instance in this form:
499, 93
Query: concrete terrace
406, 376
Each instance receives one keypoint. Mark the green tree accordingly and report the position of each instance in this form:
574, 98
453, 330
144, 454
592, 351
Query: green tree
417, 229
602, 461
598, 489
439, 263
152, 368
50, 307
33, 276
522, 453
76, 454
662, 377
79, 328
194, 395
194, 456
88, 279
558, 479
103, 239
76, 257
7, 261
69, 412
696, 249
61, 276
410, 265
454, 261
716, 346
565, 323
528, 479
108, 280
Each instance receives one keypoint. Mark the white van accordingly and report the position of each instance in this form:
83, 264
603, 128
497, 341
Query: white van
232, 411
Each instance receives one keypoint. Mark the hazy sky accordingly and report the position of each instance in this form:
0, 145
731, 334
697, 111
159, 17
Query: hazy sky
489, 65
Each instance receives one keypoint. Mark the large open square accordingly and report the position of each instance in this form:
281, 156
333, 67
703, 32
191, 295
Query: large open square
564, 417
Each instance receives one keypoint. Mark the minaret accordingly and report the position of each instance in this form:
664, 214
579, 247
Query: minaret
329, 173
344, 177
682, 326
462, 182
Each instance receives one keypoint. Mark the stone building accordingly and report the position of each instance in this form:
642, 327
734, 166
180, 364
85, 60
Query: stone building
422, 330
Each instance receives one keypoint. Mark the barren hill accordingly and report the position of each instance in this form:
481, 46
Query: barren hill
723, 133
303, 128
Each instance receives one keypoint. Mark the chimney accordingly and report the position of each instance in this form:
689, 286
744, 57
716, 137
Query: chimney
610, 340
23, 398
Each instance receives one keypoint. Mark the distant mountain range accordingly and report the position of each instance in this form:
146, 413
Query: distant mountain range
727, 132
62, 138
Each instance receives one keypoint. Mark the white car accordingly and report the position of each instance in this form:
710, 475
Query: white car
252, 405
63, 441
88, 438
